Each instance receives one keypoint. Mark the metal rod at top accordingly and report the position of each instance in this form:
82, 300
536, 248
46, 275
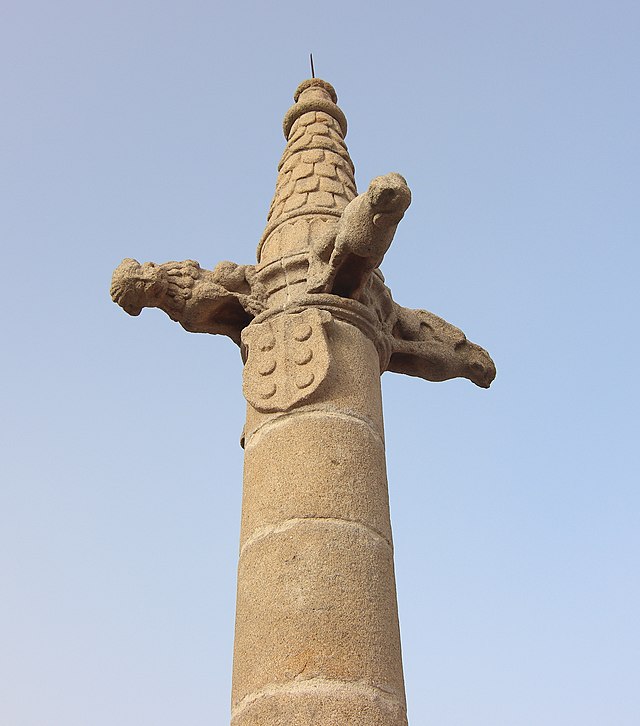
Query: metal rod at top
313, 73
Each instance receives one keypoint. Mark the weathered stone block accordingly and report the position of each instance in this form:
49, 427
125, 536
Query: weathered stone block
316, 599
334, 468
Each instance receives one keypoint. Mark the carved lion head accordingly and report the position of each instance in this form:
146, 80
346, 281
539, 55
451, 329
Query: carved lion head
135, 286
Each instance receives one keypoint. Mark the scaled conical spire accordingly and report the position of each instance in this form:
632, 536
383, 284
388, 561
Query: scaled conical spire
315, 175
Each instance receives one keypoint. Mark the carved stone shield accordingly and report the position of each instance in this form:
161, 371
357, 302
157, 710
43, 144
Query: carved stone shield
288, 359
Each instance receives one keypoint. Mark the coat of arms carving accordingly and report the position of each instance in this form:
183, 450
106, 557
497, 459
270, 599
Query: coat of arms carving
287, 359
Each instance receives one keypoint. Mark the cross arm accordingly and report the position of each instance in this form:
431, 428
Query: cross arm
426, 346
219, 301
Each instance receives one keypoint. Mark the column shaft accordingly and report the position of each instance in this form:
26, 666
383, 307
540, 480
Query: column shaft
317, 637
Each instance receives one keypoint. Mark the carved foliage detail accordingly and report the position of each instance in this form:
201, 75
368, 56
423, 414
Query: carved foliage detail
288, 359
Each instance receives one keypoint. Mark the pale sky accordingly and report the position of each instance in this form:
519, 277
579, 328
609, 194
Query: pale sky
153, 130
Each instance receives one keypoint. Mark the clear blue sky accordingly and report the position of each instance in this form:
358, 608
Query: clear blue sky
152, 130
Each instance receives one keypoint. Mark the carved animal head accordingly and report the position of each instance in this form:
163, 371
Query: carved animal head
476, 364
390, 197
135, 286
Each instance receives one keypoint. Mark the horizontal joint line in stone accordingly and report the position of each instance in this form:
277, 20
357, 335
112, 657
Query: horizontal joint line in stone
284, 258
311, 412
260, 533
323, 687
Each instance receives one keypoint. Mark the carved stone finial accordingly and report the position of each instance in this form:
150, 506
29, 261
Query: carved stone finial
311, 95
315, 175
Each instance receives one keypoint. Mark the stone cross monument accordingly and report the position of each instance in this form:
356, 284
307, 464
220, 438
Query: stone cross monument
317, 641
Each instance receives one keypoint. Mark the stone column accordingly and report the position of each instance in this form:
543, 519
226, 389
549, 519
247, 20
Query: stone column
317, 640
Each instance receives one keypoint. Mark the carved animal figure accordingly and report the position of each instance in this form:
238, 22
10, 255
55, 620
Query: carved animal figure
342, 263
429, 347
135, 286
222, 301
